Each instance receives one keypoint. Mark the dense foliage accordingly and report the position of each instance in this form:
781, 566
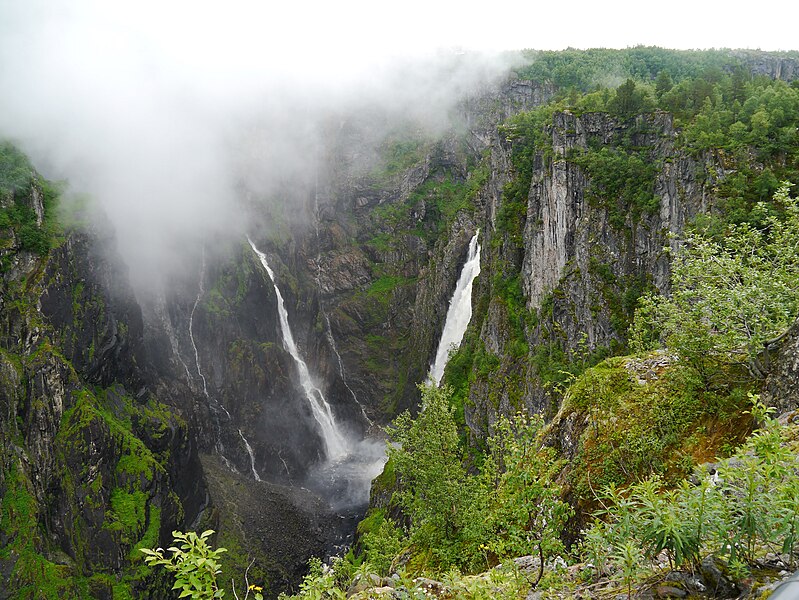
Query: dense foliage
18, 184
749, 122
586, 70
729, 297
510, 506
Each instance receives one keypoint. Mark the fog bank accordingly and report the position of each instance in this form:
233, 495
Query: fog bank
162, 112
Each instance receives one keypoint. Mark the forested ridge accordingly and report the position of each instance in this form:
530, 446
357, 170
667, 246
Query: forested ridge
644, 476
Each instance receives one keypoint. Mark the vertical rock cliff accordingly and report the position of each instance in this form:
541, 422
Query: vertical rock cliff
124, 417
93, 464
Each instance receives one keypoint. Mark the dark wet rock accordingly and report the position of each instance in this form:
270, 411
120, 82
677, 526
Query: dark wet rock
717, 583
278, 527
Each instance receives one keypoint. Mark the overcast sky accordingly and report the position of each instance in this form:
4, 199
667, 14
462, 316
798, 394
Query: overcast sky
226, 41
304, 31
137, 102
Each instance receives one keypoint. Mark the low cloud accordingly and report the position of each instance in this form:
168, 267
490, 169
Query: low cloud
161, 111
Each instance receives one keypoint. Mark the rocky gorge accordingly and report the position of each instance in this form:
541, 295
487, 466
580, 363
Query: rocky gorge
127, 415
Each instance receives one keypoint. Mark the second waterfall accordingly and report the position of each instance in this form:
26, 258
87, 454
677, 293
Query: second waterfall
459, 313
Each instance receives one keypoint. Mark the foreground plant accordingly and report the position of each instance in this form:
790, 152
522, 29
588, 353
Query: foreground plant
193, 562
748, 509
195, 565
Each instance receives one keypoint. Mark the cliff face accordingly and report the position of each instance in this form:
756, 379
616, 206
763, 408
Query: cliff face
106, 403
105, 407
390, 242
579, 268
562, 227
92, 463
773, 67
219, 332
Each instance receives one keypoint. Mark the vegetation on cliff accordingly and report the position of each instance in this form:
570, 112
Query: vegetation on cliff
85, 469
613, 489
640, 424
27, 205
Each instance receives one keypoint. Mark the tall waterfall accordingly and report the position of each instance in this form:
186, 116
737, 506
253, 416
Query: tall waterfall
200, 293
459, 312
335, 444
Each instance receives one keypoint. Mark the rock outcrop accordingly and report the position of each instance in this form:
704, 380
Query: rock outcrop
781, 359
576, 264
92, 463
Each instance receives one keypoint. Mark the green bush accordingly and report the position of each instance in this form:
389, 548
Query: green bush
728, 298
750, 510
195, 565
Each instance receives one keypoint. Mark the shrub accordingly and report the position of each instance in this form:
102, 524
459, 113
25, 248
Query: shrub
728, 298
194, 564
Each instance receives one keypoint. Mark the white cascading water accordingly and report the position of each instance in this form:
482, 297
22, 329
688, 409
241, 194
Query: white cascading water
200, 293
335, 444
252, 456
459, 312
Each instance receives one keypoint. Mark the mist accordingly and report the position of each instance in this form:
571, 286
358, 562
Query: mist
163, 112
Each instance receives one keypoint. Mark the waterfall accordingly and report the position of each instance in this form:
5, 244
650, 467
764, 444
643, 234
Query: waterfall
335, 443
252, 456
459, 312
200, 293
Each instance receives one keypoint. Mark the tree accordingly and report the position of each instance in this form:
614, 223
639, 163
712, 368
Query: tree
434, 488
629, 100
526, 514
663, 83
730, 297
512, 507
